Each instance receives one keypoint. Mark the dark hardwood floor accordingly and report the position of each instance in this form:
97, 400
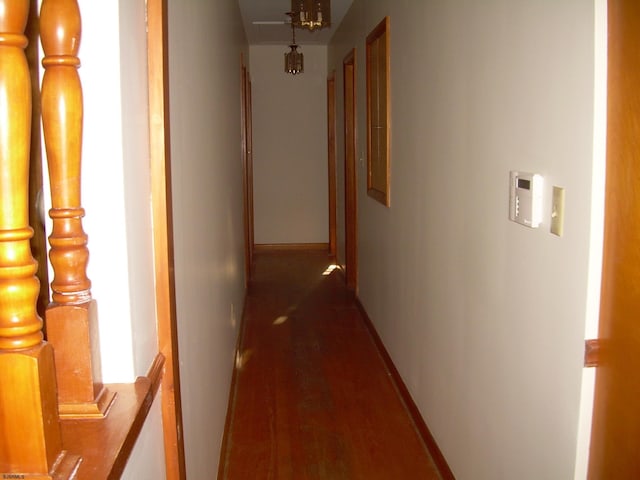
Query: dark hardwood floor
312, 398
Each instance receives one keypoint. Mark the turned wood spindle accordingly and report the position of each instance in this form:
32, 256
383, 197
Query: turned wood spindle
72, 325
30, 437
20, 325
62, 113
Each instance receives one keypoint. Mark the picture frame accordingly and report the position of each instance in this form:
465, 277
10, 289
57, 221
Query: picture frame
378, 113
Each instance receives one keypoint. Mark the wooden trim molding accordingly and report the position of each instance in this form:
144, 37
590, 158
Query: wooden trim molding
106, 444
155, 372
332, 162
233, 390
160, 175
282, 247
378, 75
349, 75
250, 210
412, 408
245, 170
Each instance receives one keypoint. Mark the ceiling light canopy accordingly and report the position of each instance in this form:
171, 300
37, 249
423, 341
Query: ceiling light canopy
311, 14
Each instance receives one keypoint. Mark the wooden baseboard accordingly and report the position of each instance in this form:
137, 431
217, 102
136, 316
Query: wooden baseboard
224, 448
412, 408
283, 247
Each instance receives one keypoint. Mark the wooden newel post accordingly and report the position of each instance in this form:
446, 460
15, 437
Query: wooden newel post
30, 437
72, 315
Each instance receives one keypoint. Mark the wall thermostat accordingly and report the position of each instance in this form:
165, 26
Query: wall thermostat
525, 198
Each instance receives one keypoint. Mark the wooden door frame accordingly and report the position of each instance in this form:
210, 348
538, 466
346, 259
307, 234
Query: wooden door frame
331, 144
617, 384
350, 173
249, 199
160, 177
247, 167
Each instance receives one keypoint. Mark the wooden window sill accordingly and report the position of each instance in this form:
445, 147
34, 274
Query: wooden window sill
105, 444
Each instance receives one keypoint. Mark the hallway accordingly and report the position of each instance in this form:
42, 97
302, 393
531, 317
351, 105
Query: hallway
312, 397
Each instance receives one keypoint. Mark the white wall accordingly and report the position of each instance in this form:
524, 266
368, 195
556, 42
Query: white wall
205, 43
137, 186
147, 461
484, 318
289, 147
103, 172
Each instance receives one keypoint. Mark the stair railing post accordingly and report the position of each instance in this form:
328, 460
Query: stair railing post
72, 325
30, 435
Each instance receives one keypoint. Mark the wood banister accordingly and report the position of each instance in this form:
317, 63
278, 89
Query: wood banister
72, 315
30, 436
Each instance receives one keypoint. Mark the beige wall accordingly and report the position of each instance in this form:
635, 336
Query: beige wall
484, 318
205, 43
289, 146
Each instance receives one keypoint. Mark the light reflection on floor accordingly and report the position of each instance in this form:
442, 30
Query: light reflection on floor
280, 320
242, 358
329, 269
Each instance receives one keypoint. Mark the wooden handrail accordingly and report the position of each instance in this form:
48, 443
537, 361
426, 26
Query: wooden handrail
72, 315
30, 436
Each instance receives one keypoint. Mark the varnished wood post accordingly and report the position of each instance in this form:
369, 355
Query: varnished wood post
30, 438
160, 173
72, 315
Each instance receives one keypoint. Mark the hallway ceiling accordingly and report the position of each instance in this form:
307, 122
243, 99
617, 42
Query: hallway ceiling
273, 27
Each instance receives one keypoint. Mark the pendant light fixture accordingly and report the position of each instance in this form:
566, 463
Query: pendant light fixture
293, 59
311, 14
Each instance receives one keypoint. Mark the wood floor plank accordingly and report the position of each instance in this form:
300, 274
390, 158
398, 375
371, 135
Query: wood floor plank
312, 397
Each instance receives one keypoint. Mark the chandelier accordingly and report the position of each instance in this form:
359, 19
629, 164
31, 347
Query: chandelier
311, 14
293, 59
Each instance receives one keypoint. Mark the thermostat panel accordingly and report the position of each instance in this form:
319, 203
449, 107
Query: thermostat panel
525, 198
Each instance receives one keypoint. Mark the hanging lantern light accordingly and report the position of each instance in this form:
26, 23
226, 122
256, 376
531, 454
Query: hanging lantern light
311, 14
293, 59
